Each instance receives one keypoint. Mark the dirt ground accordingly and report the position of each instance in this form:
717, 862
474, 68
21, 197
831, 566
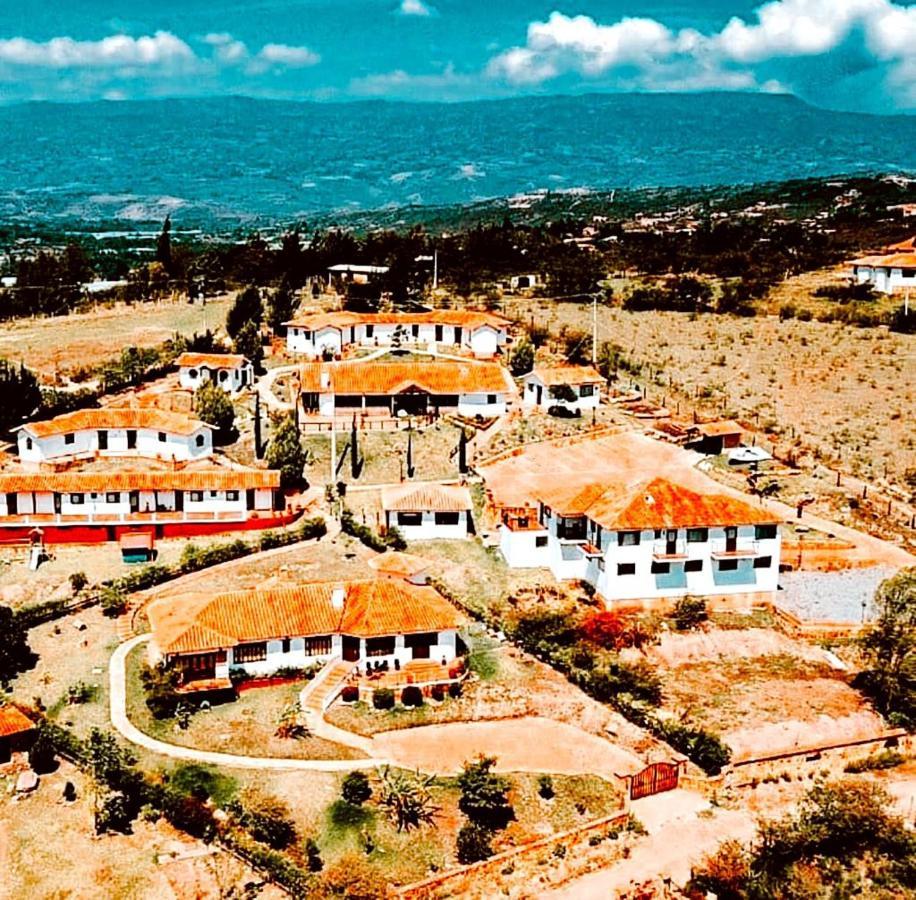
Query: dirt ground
848, 392
55, 346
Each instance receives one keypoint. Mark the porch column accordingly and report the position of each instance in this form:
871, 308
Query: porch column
363, 400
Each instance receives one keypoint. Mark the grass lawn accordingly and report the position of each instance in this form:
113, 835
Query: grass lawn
245, 727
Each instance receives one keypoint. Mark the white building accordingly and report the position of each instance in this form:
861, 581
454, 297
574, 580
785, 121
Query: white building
423, 512
258, 632
525, 282
328, 333
111, 431
196, 498
354, 273
571, 387
887, 274
657, 539
405, 388
228, 370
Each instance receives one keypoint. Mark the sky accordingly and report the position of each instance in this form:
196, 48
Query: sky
843, 54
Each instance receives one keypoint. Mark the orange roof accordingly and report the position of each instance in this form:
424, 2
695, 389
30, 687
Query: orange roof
210, 479
907, 246
371, 608
464, 318
888, 261
12, 721
717, 429
393, 562
421, 497
136, 540
442, 377
658, 503
213, 360
115, 417
551, 376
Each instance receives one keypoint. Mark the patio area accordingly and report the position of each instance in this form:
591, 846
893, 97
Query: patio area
423, 673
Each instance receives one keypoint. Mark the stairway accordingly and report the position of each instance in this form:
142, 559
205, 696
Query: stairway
314, 696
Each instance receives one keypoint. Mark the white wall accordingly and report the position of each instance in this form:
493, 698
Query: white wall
886, 280
482, 405
232, 382
585, 400
86, 443
429, 530
520, 548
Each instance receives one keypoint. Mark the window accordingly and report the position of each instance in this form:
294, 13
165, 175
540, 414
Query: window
370, 330
197, 496
77, 499
693, 565
380, 646
232, 495
249, 653
491, 398
192, 374
410, 518
601, 564
765, 532
540, 540
763, 562
448, 518
439, 331
163, 437
28, 443
70, 438
586, 390
214, 494
627, 538
415, 330
112, 497
199, 440
661, 568
697, 535
223, 375
318, 646
285, 645
728, 565
626, 568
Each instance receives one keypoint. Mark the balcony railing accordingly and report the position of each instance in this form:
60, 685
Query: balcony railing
664, 549
740, 549
158, 517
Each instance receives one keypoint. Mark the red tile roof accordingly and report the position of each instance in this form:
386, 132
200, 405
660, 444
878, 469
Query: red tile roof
719, 429
115, 417
422, 497
463, 318
210, 479
550, 376
12, 721
213, 360
888, 261
655, 504
385, 378
371, 608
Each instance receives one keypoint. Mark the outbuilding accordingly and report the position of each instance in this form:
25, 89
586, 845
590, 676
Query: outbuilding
230, 371
423, 512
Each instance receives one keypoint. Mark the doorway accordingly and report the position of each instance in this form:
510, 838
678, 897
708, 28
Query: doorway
350, 650
731, 539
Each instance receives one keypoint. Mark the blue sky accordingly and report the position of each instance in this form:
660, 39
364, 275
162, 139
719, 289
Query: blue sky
846, 54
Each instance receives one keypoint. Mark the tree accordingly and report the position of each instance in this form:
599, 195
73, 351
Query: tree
246, 308
355, 463
164, 245
285, 452
215, 408
408, 798
161, 683
689, 613
113, 600
564, 393
281, 307
355, 789
258, 442
485, 795
266, 818
15, 654
890, 648
474, 843
42, 756
20, 391
522, 360
248, 343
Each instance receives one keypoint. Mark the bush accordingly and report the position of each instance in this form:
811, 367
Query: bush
213, 406
393, 540
42, 756
889, 759
78, 581
267, 819
412, 696
437, 692
545, 787
689, 613
474, 843
383, 698
81, 693
484, 795
203, 783
355, 789
454, 689
113, 600
160, 683
313, 856
350, 693
563, 412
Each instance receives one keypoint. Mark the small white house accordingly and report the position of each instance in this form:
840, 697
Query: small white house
886, 274
525, 282
423, 512
110, 431
657, 539
354, 273
317, 335
208, 636
229, 371
405, 388
575, 388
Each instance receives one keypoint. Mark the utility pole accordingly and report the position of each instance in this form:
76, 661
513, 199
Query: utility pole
594, 329
435, 269
333, 448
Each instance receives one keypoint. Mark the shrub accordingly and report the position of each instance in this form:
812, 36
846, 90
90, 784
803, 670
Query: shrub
42, 756
545, 787
454, 689
266, 818
563, 412
81, 693
160, 683
113, 600
313, 856
203, 783
383, 698
412, 696
689, 613
213, 406
78, 581
474, 843
484, 795
437, 692
889, 759
355, 789
350, 693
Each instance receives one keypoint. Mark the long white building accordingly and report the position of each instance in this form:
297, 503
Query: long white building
118, 432
328, 333
657, 539
887, 273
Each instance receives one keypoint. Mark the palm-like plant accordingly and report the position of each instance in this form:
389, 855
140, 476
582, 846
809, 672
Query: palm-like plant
408, 797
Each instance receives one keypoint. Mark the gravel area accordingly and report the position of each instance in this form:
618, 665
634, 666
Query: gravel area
832, 596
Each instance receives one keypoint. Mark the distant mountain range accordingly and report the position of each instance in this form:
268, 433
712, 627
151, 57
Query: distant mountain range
225, 163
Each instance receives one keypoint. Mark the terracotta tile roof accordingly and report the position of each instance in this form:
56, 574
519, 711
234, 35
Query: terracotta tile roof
12, 721
567, 501
371, 608
422, 497
213, 360
551, 376
907, 246
443, 377
212, 479
393, 562
464, 318
655, 504
717, 429
136, 540
115, 417
888, 261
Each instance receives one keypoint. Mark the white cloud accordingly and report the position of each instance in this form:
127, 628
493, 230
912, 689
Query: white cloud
159, 49
415, 8
643, 52
403, 84
290, 57
226, 49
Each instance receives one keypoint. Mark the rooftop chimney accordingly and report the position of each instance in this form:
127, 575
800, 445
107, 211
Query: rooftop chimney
338, 595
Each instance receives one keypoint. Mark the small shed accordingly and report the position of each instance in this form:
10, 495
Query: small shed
137, 546
17, 731
717, 437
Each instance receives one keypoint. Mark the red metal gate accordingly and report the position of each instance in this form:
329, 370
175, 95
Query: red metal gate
655, 778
